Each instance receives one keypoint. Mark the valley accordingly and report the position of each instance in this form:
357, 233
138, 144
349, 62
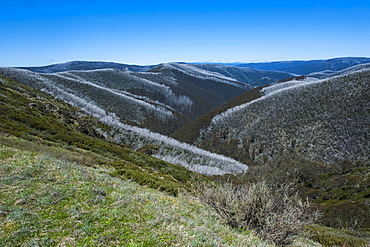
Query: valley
161, 126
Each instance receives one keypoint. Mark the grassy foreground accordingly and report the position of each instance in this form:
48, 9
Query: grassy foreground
49, 202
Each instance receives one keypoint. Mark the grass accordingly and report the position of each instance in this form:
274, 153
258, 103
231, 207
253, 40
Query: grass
50, 202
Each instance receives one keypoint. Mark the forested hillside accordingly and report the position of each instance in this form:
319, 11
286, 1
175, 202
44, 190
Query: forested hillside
325, 120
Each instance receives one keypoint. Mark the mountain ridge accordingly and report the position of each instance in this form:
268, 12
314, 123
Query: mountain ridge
86, 65
255, 74
337, 63
253, 77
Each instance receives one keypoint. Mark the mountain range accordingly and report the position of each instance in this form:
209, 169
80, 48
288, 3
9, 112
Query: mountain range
304, 123
185, 101
298, 67
86, 65
162, 99
307, 67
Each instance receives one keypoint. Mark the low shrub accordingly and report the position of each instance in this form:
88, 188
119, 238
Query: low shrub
148, 149
276, 214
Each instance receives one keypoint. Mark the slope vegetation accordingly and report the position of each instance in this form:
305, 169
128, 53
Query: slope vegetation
61, 184
58, 127
324, 120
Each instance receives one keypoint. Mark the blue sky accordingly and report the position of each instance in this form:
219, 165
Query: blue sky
36, 32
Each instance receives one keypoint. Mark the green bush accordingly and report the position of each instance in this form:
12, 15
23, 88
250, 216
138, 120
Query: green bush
333, 238
346, 215
147, 177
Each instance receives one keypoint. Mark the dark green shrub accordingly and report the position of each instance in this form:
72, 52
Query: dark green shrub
346, 215
148, 149
147, 177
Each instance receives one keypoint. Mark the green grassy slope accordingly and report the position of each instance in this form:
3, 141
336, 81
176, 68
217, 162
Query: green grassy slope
50, 202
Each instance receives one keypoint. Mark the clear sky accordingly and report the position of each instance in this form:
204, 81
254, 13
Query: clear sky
38, 32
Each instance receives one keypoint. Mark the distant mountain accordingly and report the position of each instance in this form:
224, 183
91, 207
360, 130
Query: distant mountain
249, 76
251, 73
307, 67
85, 65
325, 120
277, 65
329, 73
167, 97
